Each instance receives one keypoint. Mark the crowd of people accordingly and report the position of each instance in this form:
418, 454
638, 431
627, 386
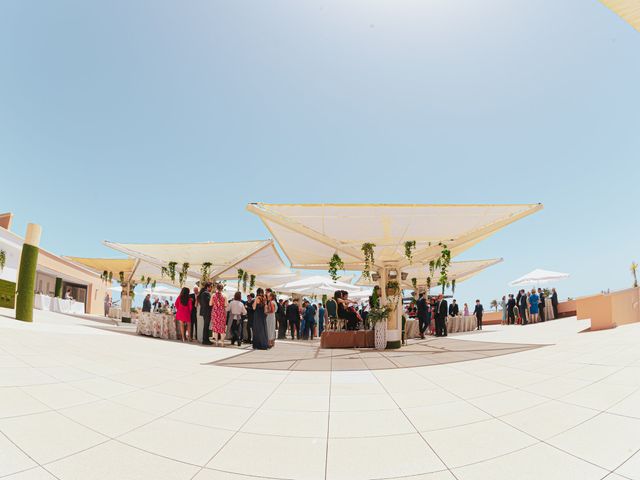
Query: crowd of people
262, 317
527, 306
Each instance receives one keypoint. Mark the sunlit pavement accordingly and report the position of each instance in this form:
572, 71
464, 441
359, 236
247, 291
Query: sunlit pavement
79, 400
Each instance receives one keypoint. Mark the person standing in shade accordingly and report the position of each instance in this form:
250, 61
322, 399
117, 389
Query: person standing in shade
293, 317
260, 336
281, 319
218, 305
477, 311
205, 311
236, 311
454, 309
441, 317
534, 300
250, 316
422, 313
270, 310
541, 304
194, 313
511, 309
184, 304
322, 318
309, 320
554, 302
332, 312
146, 303
523, 307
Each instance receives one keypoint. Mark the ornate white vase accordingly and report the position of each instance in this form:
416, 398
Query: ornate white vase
380, 335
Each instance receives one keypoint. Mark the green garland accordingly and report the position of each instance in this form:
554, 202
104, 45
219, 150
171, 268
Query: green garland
3, 259
184, 271
171, 271
153, 284
121, 277
335, 264
444, 262
205, 272
110, 276
367, 250
409, 248
414, 284
240, 275
453, 286
252, 282
428, 285
245, 279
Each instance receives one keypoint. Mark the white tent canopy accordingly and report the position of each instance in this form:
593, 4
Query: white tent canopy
309, 235
315, 285
259, 258
162, 291
538, 277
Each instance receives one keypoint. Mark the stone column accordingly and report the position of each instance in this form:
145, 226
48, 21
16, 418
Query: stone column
27, 273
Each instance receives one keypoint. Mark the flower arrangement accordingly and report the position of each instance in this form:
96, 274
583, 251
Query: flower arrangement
443, 263
252, 282
240, 275
205, 273
379, 314
335, 264
367, 250
245, 279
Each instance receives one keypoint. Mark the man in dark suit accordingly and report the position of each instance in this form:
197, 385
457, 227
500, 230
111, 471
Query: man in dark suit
478, 311
524, 308
194, 313
511, 305
454, 309
554, 302
422, 314
205, 311
541, 304
293, 317
250, 313
441, 317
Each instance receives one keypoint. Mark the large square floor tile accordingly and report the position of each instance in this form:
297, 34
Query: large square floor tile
206, 414
60, 395
12, 459
533, 463
109, 418
273, 456
445, 415
181, 441
14, 401
288, 424
606, 440
49, 436
476, 442
380, 457
114, 460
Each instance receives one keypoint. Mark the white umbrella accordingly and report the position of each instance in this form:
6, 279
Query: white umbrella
316, 284
538, 277
162, 291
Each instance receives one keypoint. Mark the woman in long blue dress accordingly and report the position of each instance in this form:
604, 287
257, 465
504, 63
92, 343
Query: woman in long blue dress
534, 299
260, 335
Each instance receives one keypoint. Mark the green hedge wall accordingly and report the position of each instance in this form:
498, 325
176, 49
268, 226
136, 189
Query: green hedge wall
7, 294
26, 283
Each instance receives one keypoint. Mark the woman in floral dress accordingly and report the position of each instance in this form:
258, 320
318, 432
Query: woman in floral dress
218, 315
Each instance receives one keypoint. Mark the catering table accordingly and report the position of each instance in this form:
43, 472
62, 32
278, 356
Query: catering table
347, 339
42, 302
548, 311
160, 325
461, 323
115, 312
56, 304
411, 329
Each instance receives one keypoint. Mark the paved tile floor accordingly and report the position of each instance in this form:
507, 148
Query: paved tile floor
79, 400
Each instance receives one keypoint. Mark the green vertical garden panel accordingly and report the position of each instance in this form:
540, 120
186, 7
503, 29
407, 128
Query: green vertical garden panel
26, 283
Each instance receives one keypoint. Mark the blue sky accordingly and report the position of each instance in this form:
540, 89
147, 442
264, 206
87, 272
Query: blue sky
157, 121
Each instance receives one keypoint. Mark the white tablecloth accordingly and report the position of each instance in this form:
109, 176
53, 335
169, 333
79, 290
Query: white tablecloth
158, 325
411, 329
461, 324
548, 311
60, 305
115, 312
42, 302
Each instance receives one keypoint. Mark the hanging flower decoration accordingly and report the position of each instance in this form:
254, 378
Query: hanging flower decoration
153, 284
453, 286
409, 248
335, 264
428, 285
367, 250
183, 273
171, 271
205, 272
240, 275
252, 282
414, 284
443, 263
245, 279
121, 277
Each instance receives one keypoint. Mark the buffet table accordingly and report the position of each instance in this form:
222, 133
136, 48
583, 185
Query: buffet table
411, 329
159, 325
347, 339
60, 305
548, 311
115, 312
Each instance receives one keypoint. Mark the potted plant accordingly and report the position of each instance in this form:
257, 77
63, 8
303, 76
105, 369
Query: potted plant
377, 317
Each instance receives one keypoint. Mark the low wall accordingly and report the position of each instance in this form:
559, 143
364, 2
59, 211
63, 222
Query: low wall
611, 309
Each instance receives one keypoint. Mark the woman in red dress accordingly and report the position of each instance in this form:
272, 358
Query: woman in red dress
218, 315
184, 305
